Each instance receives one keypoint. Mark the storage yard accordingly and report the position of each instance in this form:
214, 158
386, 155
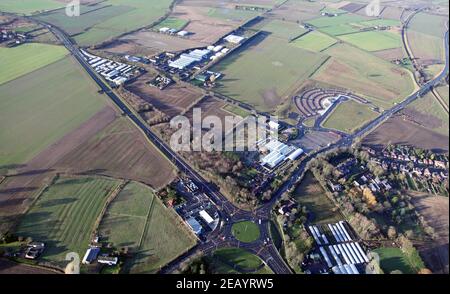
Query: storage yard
116, 73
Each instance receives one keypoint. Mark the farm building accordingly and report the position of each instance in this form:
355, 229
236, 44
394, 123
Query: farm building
183, 33
234, 39
91, 255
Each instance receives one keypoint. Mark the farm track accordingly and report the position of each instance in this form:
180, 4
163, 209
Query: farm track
440, 100
147, 222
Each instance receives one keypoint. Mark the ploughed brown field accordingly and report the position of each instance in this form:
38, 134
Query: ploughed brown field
210, 107
172, 101
11, 268
151, 43
205, 29
435, 210
120, 151
400, 131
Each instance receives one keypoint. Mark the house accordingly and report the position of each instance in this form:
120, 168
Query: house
34, 250
417, 171
335, 187
440, 164
287, 208
427, 173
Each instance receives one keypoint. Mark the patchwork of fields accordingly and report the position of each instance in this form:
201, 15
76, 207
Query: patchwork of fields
64, 216
109, 19
157, 237
365, 74
39, 108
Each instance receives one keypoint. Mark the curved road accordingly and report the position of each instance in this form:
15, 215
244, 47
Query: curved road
264, 247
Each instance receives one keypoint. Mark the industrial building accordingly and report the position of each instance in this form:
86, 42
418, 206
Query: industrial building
195, 226
278, 153
187, 59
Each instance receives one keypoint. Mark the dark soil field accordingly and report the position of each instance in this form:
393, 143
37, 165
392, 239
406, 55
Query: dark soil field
120, 151
172, 100
400, 131
11, 268
151, 43
210, 106
205, 29
435, 209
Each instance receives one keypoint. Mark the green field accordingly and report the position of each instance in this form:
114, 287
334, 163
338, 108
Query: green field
29, 6
365, 74
64, 216
382, 22
349, 116
236, 260
281, 29
430, 106
341, 29
172, 23
123, 17
39, 108
326, 21
17, 61
246, 231
374, 40
90, 16
426, 46
314, 41
266, 72
236, 110
232, 14
157, 235
392, 259
430, 24
310, 194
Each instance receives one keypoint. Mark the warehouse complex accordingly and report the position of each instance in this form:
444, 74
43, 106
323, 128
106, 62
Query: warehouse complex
275, 152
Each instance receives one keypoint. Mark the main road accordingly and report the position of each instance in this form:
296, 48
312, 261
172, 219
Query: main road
263, 247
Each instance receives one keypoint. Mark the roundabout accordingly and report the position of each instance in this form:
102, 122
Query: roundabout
246, 231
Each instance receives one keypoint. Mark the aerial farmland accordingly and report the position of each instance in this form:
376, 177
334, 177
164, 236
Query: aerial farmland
346, 172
